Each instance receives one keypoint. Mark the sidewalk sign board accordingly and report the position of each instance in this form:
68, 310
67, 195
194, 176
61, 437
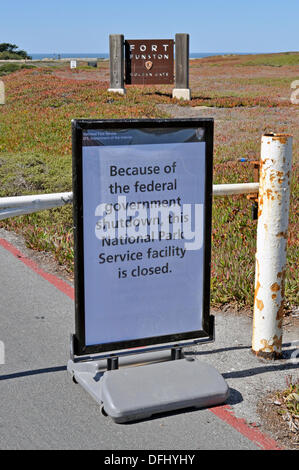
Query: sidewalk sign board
142, 228
144, 285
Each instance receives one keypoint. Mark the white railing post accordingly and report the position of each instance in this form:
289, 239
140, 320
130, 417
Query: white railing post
272, 229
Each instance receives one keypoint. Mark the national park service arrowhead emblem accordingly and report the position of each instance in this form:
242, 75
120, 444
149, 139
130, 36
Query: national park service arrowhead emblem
148, 65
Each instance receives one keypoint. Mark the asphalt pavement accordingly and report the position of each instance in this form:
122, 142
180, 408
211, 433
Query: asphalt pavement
41, 408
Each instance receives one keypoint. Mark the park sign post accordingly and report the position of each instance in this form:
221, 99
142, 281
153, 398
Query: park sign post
142, 228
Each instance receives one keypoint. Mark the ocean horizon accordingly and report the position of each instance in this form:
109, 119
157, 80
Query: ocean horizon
105, 55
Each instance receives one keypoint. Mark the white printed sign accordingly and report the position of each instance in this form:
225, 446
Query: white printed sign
138, 284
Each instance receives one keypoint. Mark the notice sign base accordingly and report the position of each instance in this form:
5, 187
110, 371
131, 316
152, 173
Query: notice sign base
147, 384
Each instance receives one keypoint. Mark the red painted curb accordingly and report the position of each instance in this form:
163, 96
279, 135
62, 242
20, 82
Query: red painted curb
55, 281
226, 414
223, 412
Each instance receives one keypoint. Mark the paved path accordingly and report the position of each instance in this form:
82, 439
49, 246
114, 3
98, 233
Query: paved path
41, 408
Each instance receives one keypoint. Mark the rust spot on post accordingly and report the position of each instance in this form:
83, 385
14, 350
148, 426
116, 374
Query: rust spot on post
259, 304
280, 311
282, 235
270, 350
279, 316
282, 139
275, 287
258, 285
261, 202
268, 355
269, 194
276, 343
257, 288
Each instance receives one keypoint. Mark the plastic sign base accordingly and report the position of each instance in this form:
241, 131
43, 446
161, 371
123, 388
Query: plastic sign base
139, 389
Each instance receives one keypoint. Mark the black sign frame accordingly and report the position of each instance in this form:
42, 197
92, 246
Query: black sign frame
160, 342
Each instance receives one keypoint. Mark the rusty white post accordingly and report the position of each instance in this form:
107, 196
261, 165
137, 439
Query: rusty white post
272, 229
2, 92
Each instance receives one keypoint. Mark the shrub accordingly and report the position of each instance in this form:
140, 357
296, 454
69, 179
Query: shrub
11, 51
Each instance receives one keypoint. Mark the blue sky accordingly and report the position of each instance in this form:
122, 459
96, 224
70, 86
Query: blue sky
214, 25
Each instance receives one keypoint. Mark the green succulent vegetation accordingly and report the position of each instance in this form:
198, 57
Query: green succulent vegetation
6, 69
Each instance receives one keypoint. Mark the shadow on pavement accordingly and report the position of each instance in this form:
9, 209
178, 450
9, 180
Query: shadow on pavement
258, 370
27, 373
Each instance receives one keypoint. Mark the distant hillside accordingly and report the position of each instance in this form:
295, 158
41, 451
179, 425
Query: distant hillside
272, 60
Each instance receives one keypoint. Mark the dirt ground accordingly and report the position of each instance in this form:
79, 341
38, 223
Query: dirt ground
281, 426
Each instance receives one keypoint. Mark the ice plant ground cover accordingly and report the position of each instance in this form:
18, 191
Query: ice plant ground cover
246, 95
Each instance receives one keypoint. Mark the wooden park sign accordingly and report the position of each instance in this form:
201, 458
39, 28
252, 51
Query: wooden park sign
149, 61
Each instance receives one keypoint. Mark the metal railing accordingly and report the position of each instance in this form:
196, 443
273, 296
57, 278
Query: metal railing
22, 205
